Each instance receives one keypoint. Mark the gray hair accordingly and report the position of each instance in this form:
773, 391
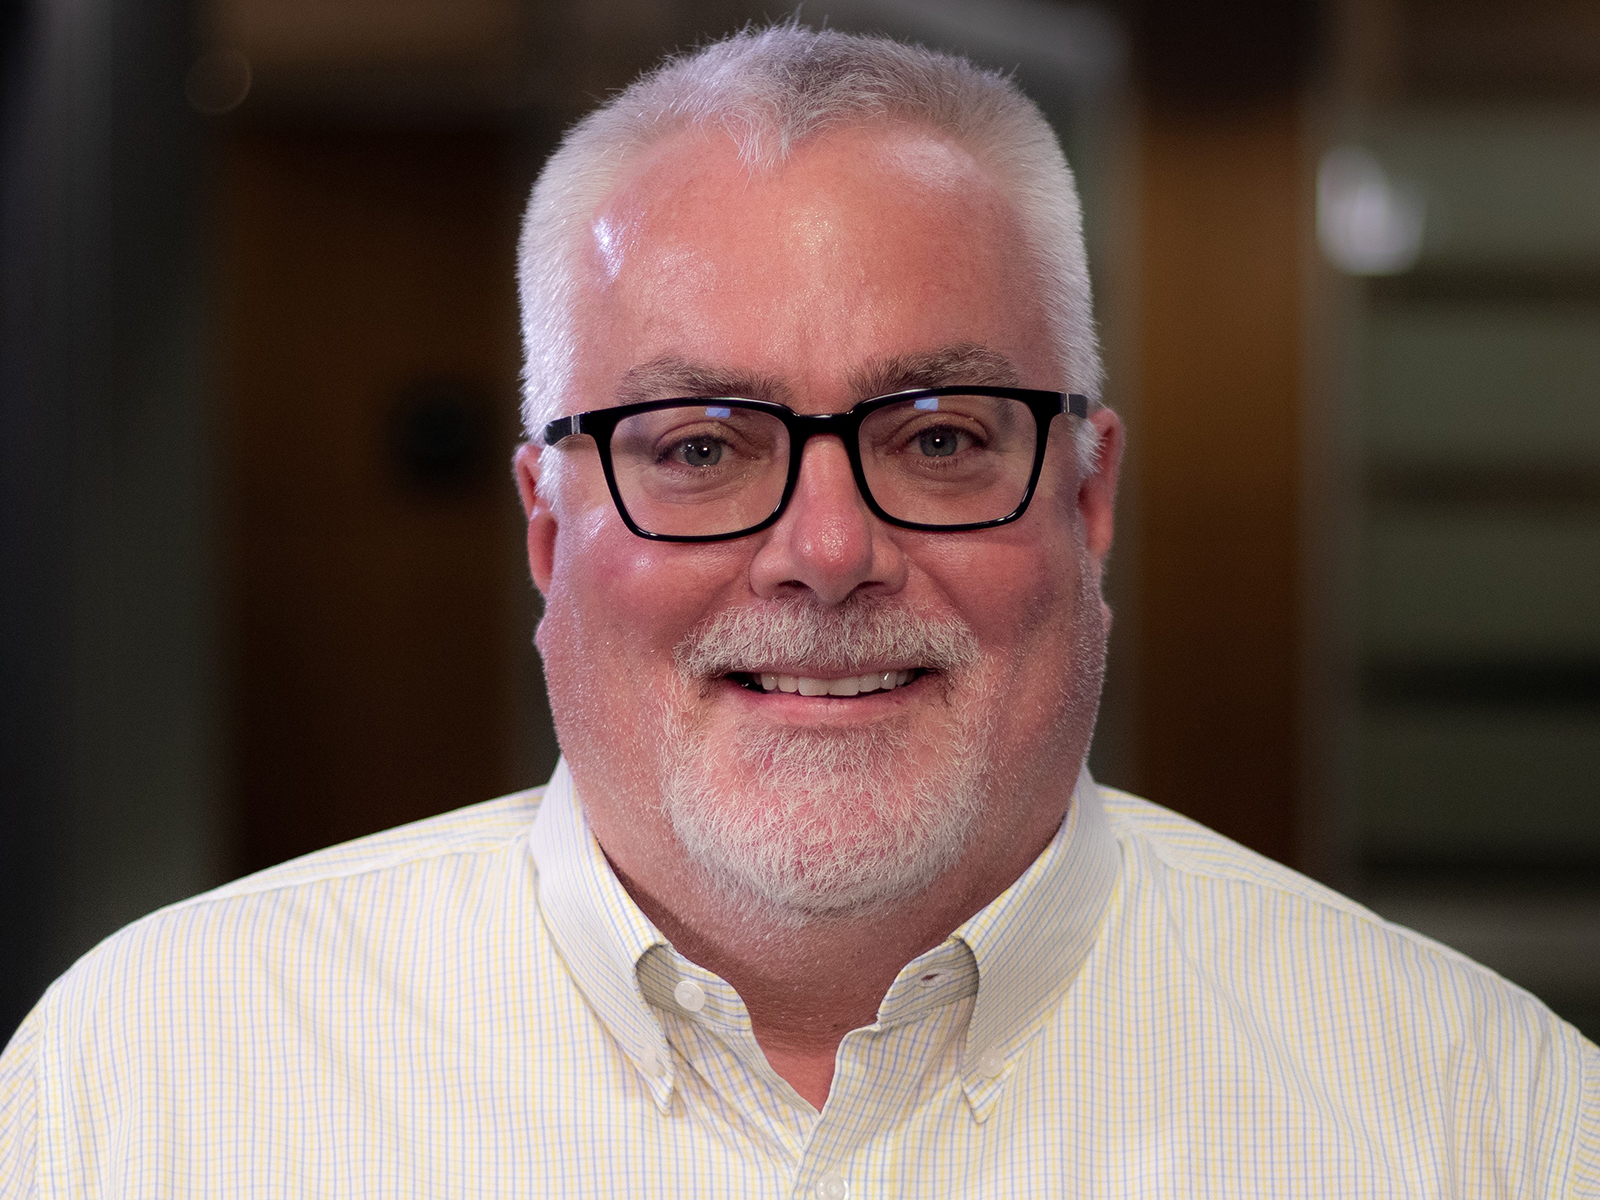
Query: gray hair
770, 91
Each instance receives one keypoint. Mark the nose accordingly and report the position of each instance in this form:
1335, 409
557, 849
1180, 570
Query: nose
827, 542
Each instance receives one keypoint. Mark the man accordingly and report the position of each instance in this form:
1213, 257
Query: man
821, 901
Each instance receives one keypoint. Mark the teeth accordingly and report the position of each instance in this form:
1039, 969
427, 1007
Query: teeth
851, 685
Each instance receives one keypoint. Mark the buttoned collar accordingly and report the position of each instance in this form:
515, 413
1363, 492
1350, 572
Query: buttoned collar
1031, 941
598, 930
1019, 953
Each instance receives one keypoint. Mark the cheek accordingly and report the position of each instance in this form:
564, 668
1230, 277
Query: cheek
618, 604
1015, 590
1046, 632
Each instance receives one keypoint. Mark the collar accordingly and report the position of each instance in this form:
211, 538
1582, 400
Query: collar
598, 930
1030, 942
1019, 953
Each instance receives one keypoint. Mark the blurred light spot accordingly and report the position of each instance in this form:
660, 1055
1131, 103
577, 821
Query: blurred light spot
1367, 225
218, 82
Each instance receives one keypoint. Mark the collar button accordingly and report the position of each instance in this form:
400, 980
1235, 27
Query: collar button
691, 997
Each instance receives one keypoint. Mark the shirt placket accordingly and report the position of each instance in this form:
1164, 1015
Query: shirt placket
882, 1072
708, 1027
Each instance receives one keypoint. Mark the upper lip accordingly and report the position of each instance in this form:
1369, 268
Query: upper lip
853, 684
826, 672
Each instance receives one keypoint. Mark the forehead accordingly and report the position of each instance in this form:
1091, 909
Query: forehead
894, 175
866, 244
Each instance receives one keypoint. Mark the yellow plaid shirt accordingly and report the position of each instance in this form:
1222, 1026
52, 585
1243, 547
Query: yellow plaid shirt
472, 1006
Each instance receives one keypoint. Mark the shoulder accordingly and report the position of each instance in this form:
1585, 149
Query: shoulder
332, 916
1324, 998
303, 1006
1177, 847
1273, 937
490, 827
1219, 893
1316, 968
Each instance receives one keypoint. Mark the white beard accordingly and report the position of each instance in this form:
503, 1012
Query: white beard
810, 822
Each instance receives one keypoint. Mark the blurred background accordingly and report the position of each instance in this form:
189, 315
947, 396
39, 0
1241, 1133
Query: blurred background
261, 584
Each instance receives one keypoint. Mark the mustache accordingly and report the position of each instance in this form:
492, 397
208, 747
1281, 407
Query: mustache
848, 638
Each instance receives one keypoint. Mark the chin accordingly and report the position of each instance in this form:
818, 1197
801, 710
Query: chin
807, 823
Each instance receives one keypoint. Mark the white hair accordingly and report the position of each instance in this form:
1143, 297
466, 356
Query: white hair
770, 91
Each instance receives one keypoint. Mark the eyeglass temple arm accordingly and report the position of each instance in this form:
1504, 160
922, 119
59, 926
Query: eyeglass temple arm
1077, 406
560, 428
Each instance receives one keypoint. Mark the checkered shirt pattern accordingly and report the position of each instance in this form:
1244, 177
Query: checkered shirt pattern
473, 1006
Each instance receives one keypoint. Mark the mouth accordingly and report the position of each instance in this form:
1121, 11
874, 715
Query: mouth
845, 686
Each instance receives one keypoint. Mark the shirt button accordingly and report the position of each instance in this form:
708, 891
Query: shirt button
691, 997
991, 1063
832, 1187
653, 1064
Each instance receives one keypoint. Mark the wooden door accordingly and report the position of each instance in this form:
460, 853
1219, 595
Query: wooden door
381, 616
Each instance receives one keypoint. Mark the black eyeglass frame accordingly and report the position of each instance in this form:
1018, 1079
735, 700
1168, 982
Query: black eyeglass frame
599, 424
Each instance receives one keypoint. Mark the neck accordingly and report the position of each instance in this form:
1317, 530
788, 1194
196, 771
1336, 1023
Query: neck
808, 982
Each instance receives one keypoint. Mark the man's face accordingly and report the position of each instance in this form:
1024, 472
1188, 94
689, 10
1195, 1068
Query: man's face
875, 260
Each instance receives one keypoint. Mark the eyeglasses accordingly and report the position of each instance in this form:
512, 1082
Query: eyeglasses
710, 468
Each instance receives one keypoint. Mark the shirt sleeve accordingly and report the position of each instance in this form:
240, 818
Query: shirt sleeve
19, 1113
1586, 1156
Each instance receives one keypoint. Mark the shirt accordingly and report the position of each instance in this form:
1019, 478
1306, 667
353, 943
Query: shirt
473, 1006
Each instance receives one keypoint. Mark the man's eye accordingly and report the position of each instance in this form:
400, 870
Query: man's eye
697, 452
941, 441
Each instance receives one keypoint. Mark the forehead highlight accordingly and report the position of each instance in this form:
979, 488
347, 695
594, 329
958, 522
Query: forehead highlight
698, 167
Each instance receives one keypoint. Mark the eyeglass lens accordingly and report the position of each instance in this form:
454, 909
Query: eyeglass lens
706, 470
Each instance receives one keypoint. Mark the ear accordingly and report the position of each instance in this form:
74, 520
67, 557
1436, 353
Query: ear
541, 517
1097, 491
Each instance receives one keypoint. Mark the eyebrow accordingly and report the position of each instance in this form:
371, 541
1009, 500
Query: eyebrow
965, 362
670, 376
